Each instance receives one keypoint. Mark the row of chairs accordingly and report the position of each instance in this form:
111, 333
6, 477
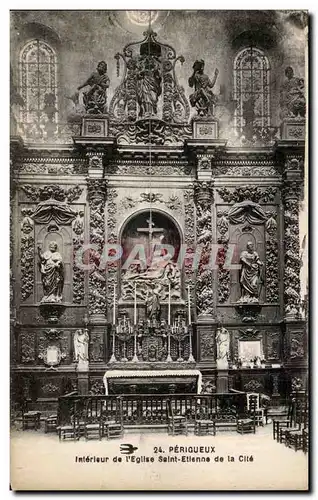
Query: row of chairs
207, 422
92, 424
95, 422
32, 420
293, 431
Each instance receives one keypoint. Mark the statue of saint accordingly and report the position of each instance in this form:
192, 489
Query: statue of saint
202, 98
292, 96
81, 339
52, 273
95, 98
153, 307
250, 275
148, 85
223, 348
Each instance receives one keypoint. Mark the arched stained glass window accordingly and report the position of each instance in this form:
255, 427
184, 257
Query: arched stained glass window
251, 91
38, 83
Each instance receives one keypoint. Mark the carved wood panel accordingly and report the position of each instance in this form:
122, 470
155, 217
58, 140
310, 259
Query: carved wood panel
96, 347
207, 344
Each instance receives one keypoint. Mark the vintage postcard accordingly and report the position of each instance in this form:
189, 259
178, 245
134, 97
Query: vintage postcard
158, 250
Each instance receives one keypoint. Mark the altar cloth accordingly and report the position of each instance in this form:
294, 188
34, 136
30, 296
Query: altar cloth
111, 374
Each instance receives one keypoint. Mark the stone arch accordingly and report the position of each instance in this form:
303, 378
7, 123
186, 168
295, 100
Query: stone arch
145, 209
148, 272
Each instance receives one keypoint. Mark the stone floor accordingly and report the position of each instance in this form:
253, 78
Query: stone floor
40, 462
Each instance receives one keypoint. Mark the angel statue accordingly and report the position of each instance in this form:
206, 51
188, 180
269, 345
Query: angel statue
81, 339
203, 99
94, 95
223, 348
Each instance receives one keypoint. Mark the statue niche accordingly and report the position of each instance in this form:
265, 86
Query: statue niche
146, 266
52, 273
250, 274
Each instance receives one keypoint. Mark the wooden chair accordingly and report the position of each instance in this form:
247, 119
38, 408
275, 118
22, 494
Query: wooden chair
294, 436
305, 441
226, 418
204, 423
50, 423
72, 430
246, 422
92, 422
284, 431
294, 439
31, 420
177, 424
253, 407
282, 423
111, 425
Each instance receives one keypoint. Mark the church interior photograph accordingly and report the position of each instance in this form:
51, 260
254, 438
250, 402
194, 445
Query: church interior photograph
158, 229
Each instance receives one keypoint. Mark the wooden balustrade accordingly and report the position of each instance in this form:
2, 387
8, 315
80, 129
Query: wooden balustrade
151, 409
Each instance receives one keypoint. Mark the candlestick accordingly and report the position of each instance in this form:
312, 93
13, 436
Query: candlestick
169, 304
113, 357
114, 306
168, 353
191, 358
189, 305
180, 358
135, 305
124, 349
135, 358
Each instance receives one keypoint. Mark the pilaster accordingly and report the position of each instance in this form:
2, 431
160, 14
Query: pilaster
97, 303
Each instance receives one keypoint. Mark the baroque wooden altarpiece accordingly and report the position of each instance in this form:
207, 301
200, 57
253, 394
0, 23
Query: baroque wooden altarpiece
98, 179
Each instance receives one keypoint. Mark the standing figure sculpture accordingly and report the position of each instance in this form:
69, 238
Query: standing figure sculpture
95, 98
250, 275
81, 339
52, 273
153, 308
223, 348
148, 85
292, 96
203, 99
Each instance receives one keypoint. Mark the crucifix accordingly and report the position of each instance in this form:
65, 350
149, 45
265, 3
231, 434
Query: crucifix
151, 230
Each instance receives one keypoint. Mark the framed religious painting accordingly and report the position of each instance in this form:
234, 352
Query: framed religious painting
158, 251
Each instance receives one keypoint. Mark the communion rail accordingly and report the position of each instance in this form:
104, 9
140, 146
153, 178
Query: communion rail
151, 409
